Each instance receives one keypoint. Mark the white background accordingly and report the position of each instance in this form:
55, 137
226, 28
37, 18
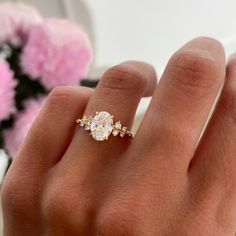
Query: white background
149, 30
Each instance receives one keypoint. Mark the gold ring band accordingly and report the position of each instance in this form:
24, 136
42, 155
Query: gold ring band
102, 126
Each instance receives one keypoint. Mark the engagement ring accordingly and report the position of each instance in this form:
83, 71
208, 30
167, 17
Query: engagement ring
102, 125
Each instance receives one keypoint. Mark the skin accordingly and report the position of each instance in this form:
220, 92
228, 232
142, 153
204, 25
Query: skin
163, 182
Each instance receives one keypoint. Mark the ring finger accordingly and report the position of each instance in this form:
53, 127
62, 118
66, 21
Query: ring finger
118, 93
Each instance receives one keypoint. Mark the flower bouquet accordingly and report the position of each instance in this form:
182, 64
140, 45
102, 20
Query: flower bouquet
36, 55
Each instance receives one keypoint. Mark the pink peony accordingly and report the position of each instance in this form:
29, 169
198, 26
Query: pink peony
58, 53
15, 136
7, 92
16, 20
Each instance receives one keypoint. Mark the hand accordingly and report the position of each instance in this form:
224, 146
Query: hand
163, 182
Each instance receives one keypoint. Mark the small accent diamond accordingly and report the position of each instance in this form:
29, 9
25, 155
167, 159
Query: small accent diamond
117, 125
115, 132
82, 123
87, 126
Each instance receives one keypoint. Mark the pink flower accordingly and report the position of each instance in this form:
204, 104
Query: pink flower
16, 20
15, 136
7, 92
58, 53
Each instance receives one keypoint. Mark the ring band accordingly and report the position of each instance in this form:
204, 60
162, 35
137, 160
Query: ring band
102, 125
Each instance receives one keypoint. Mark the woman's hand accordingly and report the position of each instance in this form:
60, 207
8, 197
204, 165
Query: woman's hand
163, 182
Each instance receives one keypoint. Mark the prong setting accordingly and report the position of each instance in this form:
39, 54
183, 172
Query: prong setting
101, 126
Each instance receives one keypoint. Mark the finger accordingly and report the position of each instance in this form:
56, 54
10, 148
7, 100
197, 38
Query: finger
118, 93
182, 102
213, 166
53, 129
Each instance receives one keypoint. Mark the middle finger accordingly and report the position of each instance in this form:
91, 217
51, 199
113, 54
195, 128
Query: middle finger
182, 102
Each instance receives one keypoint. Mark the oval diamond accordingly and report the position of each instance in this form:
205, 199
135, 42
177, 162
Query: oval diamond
101, 126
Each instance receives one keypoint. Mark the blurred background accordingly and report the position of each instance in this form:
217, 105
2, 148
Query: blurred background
147, 30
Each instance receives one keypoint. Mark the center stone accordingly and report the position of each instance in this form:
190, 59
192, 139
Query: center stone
101, 126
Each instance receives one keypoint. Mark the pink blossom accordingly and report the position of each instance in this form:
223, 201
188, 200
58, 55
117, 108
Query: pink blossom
7, 92
58, 53
16, 20
15, 136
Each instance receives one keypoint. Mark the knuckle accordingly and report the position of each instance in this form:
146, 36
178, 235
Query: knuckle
118, 219
60, 91
194, 69
15, 198
8, 194
54, 204
61, 98
57, 97
204, 39
122, 77
58, 205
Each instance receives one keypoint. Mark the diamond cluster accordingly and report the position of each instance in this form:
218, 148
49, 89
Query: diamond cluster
101, 126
